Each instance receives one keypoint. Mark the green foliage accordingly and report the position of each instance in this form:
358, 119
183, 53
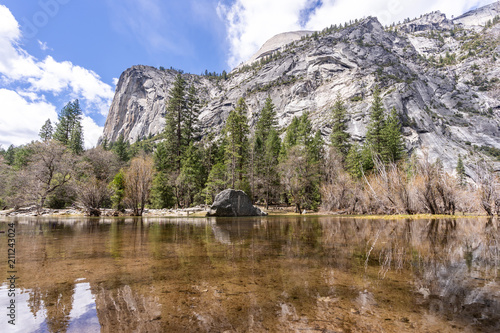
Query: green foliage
375, 135
191, 178
190, 126
181, 123
46, 131
339, 137
393, 149
75, 143
118, 188
236, 136
176, 108
120, 147
162, 194
300, 163
9, 155
488, 150
22, 156
69, 117
271, 181
461, 171
353, 161
216, 182
266, 148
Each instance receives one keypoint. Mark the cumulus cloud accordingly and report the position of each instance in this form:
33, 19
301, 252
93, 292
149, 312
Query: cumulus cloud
22, 117
250, 23
34, 79
91, 132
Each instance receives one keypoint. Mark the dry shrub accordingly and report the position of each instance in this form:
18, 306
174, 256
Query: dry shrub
339, 192
487, 188
391, 188
436, 189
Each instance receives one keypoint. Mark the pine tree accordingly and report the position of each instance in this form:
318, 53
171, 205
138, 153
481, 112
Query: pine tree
120, 147
300, 163
393, 149
162, 194
375, 135
272, 148
118, 188
315, 148
236, 135
190, 178
266, 123
461, 171
75, 143
46, 131
339, 138
190, 127
291, 135
176, 109
354, 162
69, 116
216, 182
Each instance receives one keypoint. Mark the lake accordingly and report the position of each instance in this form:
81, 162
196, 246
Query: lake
266, 274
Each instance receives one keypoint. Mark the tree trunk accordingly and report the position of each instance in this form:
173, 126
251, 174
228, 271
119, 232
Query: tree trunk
297, 208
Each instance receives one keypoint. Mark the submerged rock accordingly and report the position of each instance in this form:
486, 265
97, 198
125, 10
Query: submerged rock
233, 203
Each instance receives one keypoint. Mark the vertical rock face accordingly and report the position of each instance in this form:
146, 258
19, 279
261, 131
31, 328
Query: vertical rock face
441, 75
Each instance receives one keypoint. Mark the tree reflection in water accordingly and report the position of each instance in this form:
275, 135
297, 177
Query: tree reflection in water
262, 274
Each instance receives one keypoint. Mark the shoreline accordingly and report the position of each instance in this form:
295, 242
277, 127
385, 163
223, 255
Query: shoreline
199, 212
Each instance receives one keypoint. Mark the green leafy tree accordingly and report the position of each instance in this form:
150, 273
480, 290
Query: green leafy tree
46, 131
236, 135
339, 137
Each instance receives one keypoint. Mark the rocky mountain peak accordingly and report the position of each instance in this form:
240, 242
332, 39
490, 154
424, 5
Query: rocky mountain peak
441, 76
478, 17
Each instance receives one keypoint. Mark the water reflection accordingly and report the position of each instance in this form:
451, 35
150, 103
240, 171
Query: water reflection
67, 308
257, 274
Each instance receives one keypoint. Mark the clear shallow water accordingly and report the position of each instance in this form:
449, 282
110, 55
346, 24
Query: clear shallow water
303, 274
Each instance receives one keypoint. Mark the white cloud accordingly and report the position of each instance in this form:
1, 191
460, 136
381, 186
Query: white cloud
91, 132
43, 46
250, 23
21, 119
39, 77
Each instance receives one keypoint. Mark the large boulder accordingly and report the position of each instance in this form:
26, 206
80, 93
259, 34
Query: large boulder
234, 203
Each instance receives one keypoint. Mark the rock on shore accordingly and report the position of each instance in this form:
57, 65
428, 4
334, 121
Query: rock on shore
233, 203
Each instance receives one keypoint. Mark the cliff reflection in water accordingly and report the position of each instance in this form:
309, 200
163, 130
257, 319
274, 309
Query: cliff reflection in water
260, 274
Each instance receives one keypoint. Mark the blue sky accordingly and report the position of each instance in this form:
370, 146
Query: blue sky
53, 51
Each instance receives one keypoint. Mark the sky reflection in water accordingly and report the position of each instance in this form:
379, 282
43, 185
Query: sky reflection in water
260, 274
